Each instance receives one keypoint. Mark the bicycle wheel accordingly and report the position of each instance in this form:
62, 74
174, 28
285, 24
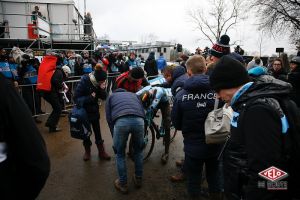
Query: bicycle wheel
149, 140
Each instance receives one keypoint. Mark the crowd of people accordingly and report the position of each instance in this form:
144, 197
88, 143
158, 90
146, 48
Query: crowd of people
231, 169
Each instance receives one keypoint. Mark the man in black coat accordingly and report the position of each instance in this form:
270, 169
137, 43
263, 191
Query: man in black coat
24, 162
257, 129
54, 98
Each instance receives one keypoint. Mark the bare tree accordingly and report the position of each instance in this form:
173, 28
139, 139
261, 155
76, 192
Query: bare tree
278, 16
222, 16
260, 41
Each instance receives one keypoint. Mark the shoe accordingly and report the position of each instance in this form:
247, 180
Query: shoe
54, 129
164, 158
137, 181
122, 188
87, 153
102, 153
179, 163
178, 178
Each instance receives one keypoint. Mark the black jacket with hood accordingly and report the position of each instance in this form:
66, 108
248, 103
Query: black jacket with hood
256, 140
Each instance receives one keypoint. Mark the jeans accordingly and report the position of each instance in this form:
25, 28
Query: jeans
122, 128
193, 169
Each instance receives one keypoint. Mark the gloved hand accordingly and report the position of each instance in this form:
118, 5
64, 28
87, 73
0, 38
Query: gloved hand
156, 85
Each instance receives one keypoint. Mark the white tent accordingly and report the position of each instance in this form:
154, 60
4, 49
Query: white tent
42, 1
60, 15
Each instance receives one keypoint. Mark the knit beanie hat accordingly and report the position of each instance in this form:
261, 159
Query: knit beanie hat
137, 73
237, 57
222, 47
99, 73
228, 73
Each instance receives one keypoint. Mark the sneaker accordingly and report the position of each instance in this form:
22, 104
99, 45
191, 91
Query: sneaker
137, 181
122, 188
164, 158
178, 178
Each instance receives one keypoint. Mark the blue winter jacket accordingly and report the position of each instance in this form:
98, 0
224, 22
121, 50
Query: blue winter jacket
83, 97
190, 109
179, 77
122, 103
161, 63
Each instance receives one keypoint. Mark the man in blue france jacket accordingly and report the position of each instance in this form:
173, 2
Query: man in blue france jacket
125, 114
190, 109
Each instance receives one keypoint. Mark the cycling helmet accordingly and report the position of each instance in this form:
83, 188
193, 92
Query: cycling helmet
145, 97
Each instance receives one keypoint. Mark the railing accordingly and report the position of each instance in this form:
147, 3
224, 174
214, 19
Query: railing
39, 106
44, 29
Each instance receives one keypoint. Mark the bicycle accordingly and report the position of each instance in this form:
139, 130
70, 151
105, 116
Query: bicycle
152, 130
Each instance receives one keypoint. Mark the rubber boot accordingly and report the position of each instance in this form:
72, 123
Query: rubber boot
102, 154
87, 153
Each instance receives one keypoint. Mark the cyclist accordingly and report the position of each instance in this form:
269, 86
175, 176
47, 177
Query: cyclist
161, 102
175, 77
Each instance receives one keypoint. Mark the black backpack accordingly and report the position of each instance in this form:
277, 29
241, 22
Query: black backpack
80, 127
290, 140
292, 144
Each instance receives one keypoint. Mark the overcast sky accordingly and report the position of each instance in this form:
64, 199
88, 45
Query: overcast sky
168, 20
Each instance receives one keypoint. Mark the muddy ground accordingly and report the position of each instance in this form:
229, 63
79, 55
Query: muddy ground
73, 179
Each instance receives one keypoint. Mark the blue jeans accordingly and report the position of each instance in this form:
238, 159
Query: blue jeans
122, 128
193, 168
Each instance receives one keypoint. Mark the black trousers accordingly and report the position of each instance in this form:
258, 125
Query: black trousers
54, 100
97, 132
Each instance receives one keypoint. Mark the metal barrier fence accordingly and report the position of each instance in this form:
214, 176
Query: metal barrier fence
39, 106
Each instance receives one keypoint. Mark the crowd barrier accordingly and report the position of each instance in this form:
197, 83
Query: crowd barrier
39, 106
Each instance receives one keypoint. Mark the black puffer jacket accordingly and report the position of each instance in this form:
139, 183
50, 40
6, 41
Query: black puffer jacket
24, 162
255, 142
294, 79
